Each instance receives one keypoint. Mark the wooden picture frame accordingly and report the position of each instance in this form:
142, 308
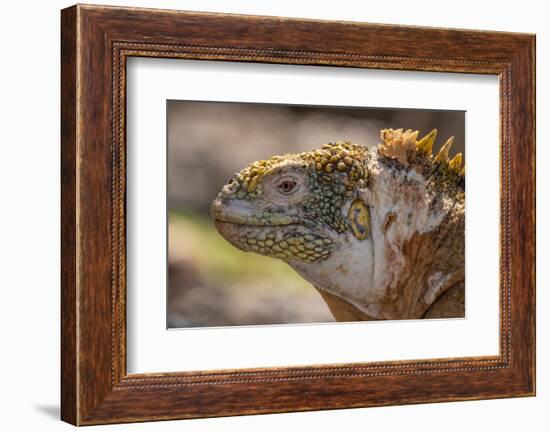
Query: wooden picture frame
95, 43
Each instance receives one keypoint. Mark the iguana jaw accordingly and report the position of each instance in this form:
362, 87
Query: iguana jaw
269, 233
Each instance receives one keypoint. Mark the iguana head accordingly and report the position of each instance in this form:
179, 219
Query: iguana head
296, 207
361, 225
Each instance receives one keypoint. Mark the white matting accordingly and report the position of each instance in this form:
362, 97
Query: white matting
153, 348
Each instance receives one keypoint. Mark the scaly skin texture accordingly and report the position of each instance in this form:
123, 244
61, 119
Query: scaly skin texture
380, 233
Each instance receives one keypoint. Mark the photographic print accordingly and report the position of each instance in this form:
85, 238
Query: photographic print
285, 214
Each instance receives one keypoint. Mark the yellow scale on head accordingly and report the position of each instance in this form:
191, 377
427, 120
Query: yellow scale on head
341, 156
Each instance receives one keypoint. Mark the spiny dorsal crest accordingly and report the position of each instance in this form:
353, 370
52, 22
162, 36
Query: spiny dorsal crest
404, 147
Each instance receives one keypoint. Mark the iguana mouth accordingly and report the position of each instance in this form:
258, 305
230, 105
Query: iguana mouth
226, 212
251, 225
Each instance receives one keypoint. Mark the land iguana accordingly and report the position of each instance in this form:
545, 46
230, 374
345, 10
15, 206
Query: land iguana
378, 232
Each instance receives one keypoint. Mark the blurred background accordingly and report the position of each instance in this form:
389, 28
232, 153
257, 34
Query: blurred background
210, 282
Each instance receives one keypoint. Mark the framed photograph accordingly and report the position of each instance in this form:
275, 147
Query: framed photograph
263, 214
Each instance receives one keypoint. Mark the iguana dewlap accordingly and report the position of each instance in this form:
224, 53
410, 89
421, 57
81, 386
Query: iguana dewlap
380, 233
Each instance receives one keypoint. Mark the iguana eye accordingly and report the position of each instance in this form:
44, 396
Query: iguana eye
287, 186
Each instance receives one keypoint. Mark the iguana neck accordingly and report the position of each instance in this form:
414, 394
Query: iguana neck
342, 310
449, 304
414, 254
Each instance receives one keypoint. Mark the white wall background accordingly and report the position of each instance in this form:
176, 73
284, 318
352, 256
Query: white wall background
29, 215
